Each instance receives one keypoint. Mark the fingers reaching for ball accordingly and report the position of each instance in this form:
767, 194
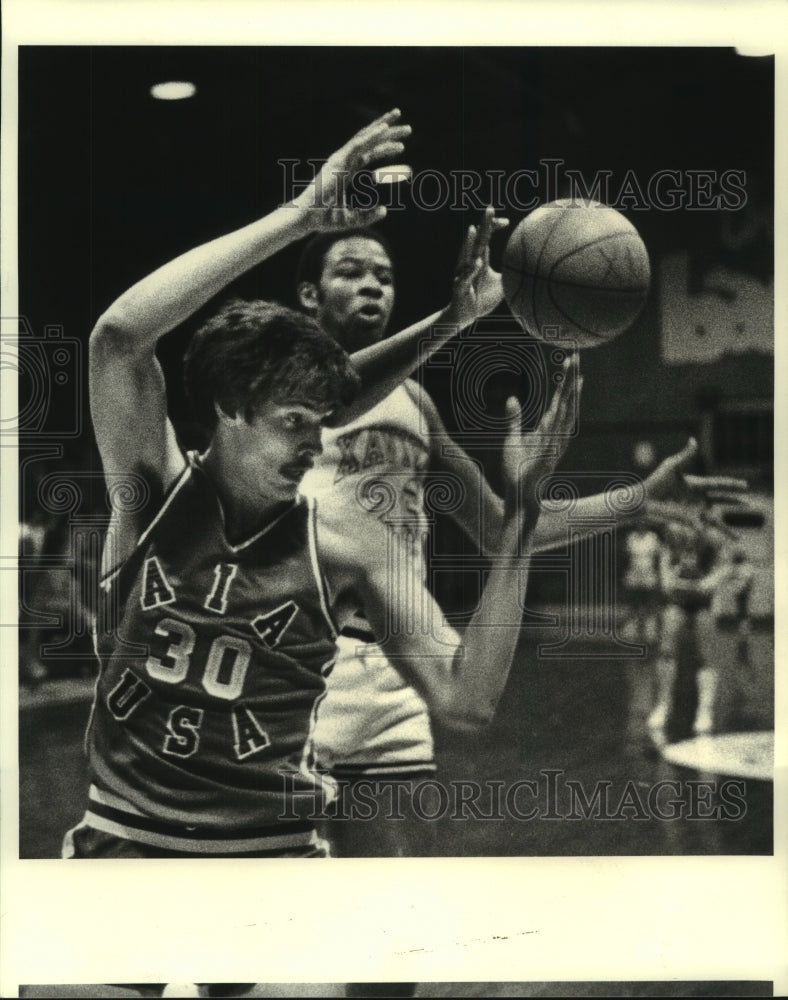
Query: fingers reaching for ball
477, 287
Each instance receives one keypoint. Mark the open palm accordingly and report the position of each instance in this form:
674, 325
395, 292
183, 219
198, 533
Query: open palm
478, 289
329, 198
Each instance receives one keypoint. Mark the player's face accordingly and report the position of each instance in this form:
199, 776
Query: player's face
276, 448
356, 292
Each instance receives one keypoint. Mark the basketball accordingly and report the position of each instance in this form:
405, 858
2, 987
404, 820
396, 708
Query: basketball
576, 270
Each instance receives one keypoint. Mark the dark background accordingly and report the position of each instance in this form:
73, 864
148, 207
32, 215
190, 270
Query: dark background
113, 183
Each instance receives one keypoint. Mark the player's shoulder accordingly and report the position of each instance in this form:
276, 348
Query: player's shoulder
342, 539
421, 398
415, 390
339, 534
345, 555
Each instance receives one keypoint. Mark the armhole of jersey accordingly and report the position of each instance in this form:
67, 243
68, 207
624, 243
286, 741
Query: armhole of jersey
431, 436
168, 498
416, 394
320, 582
413, 390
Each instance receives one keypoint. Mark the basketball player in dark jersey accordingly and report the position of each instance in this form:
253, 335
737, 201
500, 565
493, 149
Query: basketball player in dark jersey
221, 600
220, 603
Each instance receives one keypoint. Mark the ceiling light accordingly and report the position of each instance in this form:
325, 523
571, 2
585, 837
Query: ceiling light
173, 90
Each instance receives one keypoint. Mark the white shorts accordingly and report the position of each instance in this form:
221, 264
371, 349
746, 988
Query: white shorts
371, 721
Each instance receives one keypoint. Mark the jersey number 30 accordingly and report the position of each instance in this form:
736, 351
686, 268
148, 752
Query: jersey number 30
223, 677
219, 679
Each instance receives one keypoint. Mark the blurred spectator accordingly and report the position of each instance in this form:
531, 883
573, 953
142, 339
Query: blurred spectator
641, 583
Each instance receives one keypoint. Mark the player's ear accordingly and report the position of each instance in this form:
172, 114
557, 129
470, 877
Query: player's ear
308, 295
224, 417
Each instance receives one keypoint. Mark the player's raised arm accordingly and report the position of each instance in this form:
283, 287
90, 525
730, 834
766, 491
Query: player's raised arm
462, 677
669, 494
127, 392
476, 291
480, 511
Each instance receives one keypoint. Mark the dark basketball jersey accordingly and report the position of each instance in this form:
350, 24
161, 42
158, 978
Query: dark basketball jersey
212, 662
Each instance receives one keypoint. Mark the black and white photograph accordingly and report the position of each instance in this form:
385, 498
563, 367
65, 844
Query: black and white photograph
389, 479
497, 989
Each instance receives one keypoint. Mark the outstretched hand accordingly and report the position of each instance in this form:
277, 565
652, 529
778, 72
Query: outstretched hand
529, 457
328, 199
670, 481
478, 289
672, 494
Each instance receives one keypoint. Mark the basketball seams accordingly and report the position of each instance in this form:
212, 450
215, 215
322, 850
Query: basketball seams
560, 216
581, 301
562, 312
524, 277
585, 246
521, 284
548, 277
577, 284
614, 289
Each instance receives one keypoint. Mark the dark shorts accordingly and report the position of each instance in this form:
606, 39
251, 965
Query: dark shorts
86, 842
688, 635
642, 595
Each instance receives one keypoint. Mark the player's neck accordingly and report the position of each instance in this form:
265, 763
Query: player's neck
245, 511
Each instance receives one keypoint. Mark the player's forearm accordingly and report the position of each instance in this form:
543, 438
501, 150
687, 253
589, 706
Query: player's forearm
169, 295
482, 662
552, 530
481, 517
480, 511
384, 366
460, 678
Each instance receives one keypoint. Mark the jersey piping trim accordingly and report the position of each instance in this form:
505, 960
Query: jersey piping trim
319, 581
176, 487
398, 771
256, 537
194, 461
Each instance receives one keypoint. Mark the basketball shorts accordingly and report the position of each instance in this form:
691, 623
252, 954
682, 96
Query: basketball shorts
371, 721
681, 626
641, 594
83, 841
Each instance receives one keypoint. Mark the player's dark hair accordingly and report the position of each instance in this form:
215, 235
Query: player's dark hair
251, 352
313, 255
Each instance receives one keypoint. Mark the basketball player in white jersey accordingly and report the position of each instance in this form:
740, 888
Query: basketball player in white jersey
373, 728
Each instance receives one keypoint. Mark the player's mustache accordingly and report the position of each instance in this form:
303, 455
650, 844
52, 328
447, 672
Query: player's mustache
301, 467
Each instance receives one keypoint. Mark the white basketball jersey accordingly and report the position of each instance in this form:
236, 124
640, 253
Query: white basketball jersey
371, 721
